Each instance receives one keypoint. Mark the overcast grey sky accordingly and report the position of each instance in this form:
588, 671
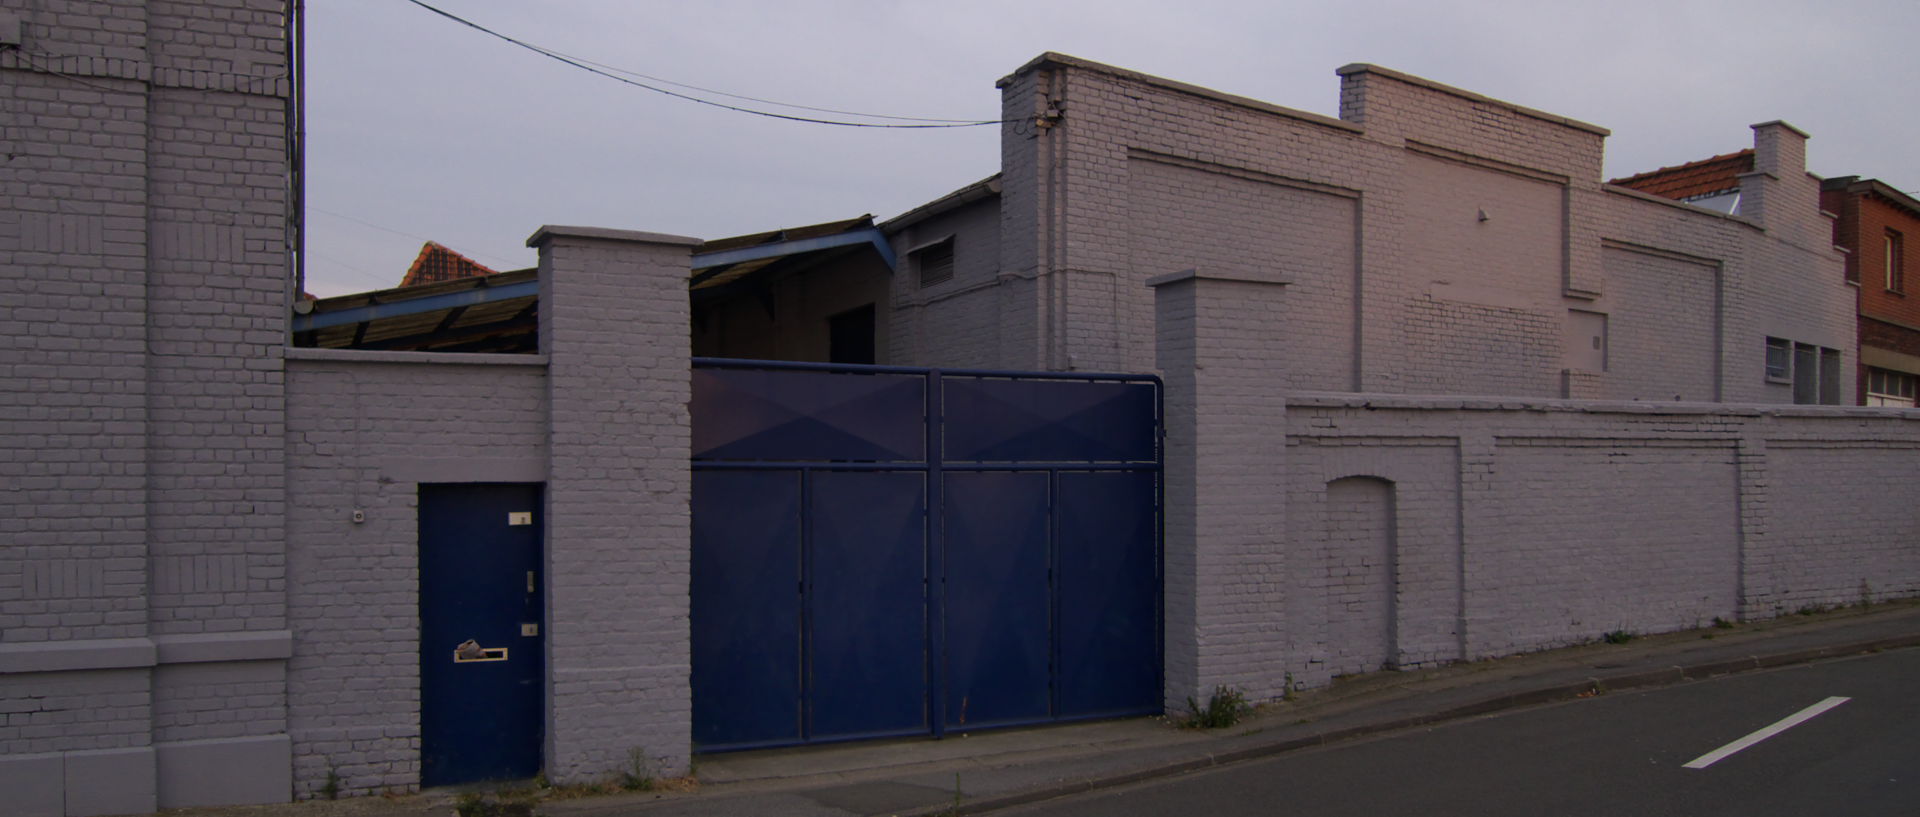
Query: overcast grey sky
420, 128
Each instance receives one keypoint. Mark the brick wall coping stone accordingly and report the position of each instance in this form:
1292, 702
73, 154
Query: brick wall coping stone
1368, 68
551, 231
1685, 207
1541, 404
1064, 60
1200, 275
443, 358
1471, 96
1781, 123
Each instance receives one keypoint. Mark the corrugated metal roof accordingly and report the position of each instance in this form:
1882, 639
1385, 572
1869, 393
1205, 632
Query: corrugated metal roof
500, 312
489, 313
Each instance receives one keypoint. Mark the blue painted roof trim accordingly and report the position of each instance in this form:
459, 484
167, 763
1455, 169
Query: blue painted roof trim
414, 306
775, 249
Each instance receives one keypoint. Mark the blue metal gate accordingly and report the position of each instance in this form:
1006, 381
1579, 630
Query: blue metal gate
885, 551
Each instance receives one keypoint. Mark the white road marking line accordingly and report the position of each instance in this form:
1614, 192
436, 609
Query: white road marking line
1782, 725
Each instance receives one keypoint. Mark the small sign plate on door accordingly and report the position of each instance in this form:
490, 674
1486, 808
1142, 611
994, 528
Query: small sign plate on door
520, 517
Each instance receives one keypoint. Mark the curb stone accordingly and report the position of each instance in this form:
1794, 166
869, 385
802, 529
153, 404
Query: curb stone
1550, 693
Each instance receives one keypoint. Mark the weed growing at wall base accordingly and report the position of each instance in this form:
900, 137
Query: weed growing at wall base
637, 777
481, 805
1225, 708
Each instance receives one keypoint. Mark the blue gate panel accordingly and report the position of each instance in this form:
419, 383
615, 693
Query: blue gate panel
995, 420
997, 614
808, 416
745, 613
868, 604
479, 720
1109, 594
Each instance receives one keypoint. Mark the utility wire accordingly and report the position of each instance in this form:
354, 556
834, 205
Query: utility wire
608, 72
664, 81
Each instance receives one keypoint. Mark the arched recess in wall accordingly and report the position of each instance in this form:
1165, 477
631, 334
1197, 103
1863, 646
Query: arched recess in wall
1362, 576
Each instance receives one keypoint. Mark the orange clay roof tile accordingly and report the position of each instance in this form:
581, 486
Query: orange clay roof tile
1693, 179
436, 263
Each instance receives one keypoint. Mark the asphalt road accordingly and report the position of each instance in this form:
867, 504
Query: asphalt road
1614, 754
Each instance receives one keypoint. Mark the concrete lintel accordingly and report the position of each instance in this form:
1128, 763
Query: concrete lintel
1202, 275
262, 645
464, 469
439, 358
63, 656
552, 231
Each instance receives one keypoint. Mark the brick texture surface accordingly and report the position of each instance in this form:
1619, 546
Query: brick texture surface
143, 278
1507, 527
358, 436
614, 318
1435, 241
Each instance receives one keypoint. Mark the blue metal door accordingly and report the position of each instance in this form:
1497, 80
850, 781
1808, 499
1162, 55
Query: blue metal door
481, 645
883, 551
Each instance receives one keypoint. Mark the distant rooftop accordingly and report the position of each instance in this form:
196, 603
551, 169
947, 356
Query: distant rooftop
436, 263
1694, 180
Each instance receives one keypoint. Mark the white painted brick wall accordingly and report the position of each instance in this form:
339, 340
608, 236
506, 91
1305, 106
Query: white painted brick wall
362, 433
1409, 291
1225, 524
1564, 521
143, 277
614, 316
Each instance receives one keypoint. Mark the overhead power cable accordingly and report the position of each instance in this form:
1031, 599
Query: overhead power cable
615, 74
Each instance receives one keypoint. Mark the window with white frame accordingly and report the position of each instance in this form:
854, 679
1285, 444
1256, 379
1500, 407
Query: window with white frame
1886, 387
1779, 360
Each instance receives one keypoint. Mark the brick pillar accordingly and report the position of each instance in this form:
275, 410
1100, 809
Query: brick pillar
1777, 195
614, 325
1219, 353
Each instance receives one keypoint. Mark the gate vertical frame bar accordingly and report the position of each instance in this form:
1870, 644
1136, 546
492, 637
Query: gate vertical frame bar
1160, 535
1054, 639
806, 605
936, 597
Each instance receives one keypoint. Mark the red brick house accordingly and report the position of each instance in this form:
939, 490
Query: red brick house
1875, 220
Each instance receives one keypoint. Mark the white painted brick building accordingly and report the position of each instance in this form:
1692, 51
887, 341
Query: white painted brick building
1430, 241
210, 581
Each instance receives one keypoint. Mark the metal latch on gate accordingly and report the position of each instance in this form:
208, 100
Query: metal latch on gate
470, 652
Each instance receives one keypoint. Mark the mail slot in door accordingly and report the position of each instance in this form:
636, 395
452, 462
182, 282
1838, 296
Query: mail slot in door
470, 652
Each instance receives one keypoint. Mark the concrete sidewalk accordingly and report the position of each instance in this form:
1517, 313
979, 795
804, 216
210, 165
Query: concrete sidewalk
973, 773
